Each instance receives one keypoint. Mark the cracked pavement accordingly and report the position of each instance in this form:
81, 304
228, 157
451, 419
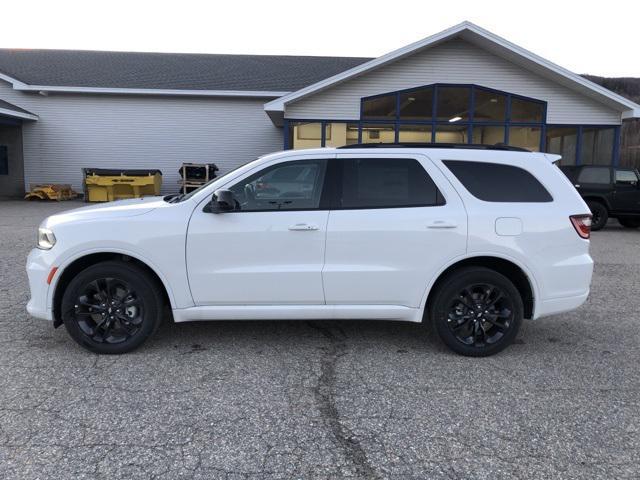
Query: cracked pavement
322, 400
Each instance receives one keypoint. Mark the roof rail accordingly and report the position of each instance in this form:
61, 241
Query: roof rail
469, 146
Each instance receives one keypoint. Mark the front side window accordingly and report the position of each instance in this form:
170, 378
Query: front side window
285, 186
495, 182
626, 176
386, 183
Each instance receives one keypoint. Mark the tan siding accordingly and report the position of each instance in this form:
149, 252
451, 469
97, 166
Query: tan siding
76, 131
453, 62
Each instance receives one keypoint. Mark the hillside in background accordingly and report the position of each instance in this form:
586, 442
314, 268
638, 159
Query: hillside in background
630, 138
626, 86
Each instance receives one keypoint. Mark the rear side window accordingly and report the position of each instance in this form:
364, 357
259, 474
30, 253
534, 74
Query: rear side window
595, 175
386, 183
494, 182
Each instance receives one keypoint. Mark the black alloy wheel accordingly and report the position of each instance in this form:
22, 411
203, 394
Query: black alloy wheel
476, 311
479, 315
112, 307
108, 310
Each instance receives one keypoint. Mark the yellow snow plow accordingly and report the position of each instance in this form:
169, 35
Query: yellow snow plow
51, 191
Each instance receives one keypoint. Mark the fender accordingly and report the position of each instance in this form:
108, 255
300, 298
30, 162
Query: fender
532, 279
141, 258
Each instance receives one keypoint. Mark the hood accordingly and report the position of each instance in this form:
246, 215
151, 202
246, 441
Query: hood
116, 209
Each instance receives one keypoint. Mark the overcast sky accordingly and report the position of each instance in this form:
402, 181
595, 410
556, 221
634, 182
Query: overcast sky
601, 37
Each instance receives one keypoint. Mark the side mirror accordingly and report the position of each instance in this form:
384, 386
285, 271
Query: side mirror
222, 201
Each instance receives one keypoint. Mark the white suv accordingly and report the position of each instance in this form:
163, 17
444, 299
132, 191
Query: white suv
474, 239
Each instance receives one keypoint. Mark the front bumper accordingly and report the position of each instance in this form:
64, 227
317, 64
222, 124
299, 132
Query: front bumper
38, 268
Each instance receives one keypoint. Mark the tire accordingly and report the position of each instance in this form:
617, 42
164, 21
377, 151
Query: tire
629, 222
469, 330
112, 307
600, 215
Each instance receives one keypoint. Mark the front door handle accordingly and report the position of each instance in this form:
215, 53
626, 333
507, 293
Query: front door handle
305, 227
442, 224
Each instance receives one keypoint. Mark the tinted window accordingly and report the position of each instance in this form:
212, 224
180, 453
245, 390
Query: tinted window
379, 108
626, 176
286, 186
595, 175
386, 182
4, 160
493, 182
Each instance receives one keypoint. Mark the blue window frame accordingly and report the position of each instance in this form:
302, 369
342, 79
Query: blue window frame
477, 114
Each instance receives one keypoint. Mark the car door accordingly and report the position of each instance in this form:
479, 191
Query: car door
270, 249
626, 193
395, 222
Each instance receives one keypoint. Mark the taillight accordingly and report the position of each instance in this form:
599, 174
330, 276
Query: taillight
582, 224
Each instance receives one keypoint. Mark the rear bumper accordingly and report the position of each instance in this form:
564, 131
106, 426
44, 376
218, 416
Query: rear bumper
559, 305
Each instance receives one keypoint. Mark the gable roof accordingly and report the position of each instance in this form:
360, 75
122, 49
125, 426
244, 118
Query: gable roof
484, 39
134, 72
12, 111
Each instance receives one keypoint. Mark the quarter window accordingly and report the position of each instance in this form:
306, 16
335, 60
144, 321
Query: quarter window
286, 186
386, 183
494, 182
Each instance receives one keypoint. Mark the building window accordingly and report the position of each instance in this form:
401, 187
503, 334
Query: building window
453, 104
489, 106
378, 133
379, 108
563, 141
597, 146
414, 133
488, 135
338, 134
417, 104
451, 134
305, 135
526, 111
446, 113
525, 137
4, 160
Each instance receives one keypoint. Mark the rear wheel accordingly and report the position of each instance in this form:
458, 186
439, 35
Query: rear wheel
600, 215
477, 311
111, 307
629, 222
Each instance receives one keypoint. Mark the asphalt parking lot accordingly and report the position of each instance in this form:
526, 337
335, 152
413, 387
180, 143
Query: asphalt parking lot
284, 400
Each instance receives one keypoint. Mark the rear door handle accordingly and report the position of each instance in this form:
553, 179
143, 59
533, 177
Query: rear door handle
303, 227
442, 224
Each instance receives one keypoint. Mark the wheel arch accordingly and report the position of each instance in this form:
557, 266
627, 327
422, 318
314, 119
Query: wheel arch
88, 259
522, 280
599, 199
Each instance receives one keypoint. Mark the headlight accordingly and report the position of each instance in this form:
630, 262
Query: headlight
46, 238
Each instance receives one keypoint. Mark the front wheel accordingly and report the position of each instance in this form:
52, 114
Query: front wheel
629, 222
111, 307
477, 311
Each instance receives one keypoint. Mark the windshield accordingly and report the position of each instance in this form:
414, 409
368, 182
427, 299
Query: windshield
181, 197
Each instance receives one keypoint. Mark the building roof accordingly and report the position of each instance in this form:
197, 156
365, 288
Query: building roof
484, 39
12, 111
73, 69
